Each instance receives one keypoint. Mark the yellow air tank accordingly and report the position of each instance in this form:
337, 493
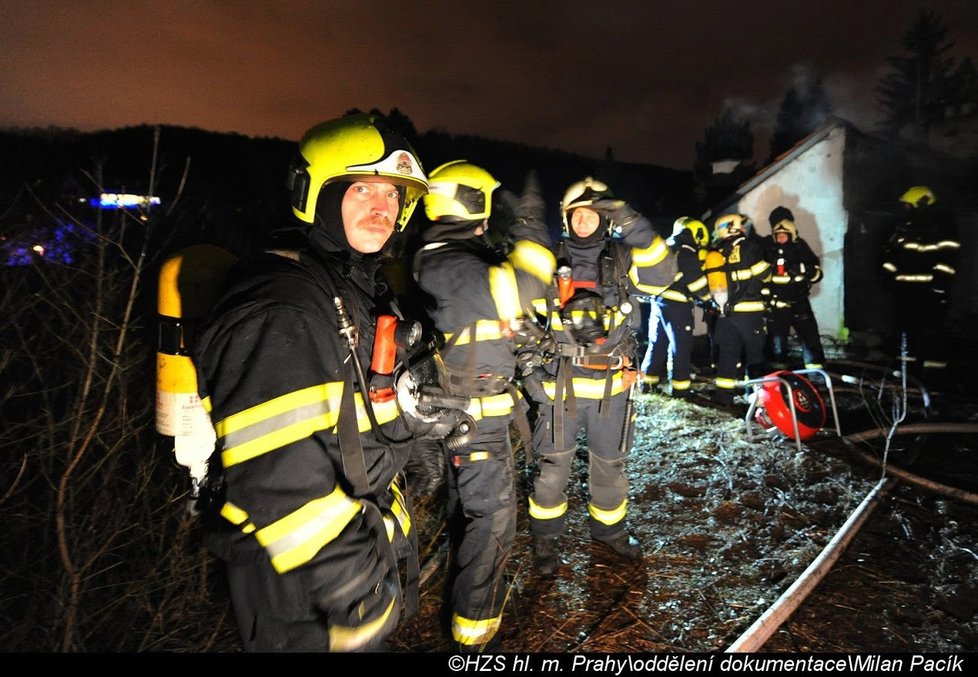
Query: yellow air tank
716, 278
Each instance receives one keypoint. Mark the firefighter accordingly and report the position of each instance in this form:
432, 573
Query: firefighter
608, 254
919, 262
740, 331
480, 295
671, 319
314, 526
794, 269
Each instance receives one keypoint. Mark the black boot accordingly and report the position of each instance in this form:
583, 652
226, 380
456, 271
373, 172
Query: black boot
545, 557
624, 545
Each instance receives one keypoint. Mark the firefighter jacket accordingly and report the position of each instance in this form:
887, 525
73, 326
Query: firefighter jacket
794, 269
617, 270
481, 296
690, 283
922, 252
748, 273
275, 375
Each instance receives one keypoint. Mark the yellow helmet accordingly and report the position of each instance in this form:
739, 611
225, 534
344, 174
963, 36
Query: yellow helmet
918, 196
347, 149
582, 194
698, 229
785, 226
459, 190
732, 225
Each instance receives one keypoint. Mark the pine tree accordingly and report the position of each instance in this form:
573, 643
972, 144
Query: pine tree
964, 93
922, 84
805, 106
728, 138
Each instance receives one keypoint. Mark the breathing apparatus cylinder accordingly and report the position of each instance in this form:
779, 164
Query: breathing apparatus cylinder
716, 278
189, 285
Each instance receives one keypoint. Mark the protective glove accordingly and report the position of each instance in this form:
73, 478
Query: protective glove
425, 467
533, 385
624, 219
528, 212
428, 412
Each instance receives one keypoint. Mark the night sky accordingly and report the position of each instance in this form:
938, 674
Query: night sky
645, 77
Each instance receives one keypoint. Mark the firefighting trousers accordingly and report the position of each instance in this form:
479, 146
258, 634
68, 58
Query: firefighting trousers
482, 513
741, 339
920, 314
670, 333
607, 482
797, 316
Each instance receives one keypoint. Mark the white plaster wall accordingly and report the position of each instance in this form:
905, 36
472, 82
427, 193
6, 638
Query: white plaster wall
811, 186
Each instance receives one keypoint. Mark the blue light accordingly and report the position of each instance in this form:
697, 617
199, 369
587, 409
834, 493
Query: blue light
124, 201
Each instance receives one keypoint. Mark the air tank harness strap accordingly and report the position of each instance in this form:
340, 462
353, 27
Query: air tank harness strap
355, 470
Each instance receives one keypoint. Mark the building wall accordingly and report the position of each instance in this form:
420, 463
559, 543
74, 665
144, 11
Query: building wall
811, 186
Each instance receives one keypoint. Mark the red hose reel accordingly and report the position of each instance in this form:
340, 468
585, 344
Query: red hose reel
774, 405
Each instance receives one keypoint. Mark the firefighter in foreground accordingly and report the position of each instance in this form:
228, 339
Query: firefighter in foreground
671, 319
608, 253
919, 262
738, 273
794, 269
311, 463
480, 299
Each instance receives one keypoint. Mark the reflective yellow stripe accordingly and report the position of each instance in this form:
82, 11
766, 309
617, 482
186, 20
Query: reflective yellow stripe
537, 511
535, 259
279, 422
485, 330
383, 411
540, 305
748, 307
673, 295
289, 418
343, 638
296, 538
608, 517
651, 255
471, 632
490, 405
726, 383
400, 512
944, 268
681, 385
588, 388
698, 284
206, 404
502, 285
475, 456
237, 517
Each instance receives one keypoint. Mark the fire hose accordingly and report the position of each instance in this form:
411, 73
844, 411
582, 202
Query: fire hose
761, 630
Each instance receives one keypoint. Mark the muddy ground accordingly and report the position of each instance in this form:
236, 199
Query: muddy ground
729, 520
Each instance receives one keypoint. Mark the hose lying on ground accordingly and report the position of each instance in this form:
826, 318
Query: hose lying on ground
909, 477
765, 626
